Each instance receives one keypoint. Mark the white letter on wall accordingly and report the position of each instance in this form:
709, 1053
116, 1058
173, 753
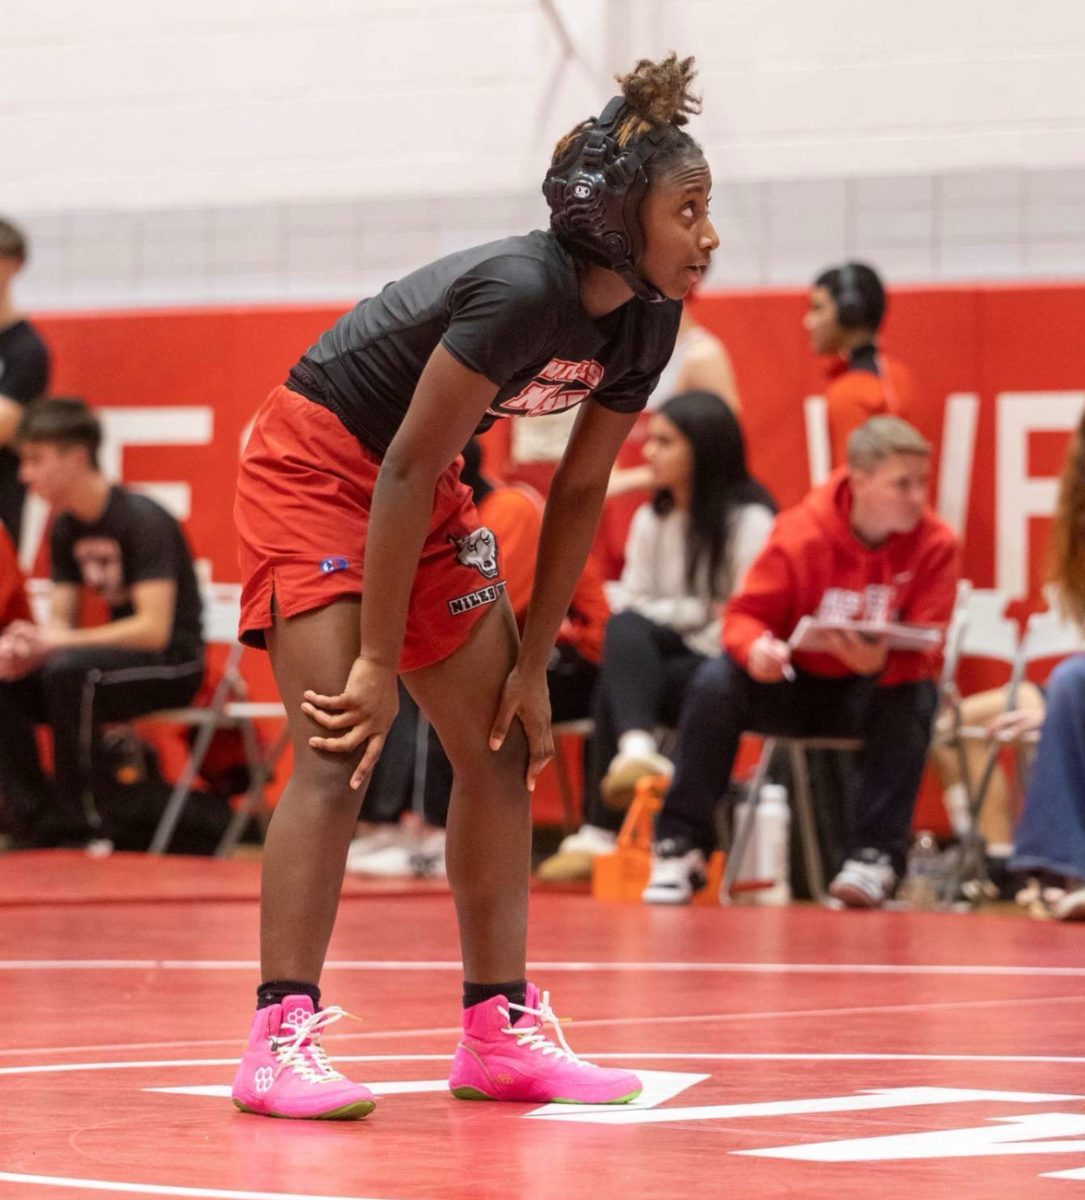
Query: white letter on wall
955, 466
1017, 497
154, 427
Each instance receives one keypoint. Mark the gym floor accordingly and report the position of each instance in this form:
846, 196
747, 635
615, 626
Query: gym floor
790, 1052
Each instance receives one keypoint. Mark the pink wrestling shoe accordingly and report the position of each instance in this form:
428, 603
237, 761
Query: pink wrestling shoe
284, 1071
499, 1059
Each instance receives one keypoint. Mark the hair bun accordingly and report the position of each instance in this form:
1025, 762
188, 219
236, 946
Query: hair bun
659, 91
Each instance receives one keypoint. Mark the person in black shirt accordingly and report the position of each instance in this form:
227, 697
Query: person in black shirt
24, 374
352, 471
148, 656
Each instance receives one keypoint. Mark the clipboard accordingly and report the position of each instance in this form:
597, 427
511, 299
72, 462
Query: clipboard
810, 634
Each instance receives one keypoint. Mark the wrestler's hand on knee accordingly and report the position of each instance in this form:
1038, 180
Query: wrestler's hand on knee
526, 698
363, 712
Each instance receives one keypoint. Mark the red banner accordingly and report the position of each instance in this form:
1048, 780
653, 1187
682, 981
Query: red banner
1000, 374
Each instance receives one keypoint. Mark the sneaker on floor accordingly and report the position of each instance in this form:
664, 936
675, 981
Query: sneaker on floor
392, 862
677, 872
380, 837
626, 771
865, 881
1040, 898
505, 1055
1070, 906
285, 1073
574, 857
426, 859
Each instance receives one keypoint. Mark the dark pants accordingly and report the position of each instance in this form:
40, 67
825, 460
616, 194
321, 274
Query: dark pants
723, 702
643, 679
393, 788
74, 692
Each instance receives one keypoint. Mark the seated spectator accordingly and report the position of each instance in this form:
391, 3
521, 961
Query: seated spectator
996, 819
862, 546
14, 605
24, 374
846, 309
687, 550
700, 363
513, 513
149, 655
1049, 843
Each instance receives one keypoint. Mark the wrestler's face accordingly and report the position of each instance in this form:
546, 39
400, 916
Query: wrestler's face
48, 468
668, 454
679, 237
821, 323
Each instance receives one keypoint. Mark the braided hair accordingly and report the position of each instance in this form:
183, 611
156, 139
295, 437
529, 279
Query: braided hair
657, 94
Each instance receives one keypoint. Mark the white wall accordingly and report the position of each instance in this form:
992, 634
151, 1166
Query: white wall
136, 103
232, 150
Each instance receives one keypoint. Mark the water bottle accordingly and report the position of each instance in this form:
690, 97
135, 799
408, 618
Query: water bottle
922, 886
764, 877
772, 845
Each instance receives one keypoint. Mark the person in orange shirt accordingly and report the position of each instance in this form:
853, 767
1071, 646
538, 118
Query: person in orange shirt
846, 309
513, 515
14, 605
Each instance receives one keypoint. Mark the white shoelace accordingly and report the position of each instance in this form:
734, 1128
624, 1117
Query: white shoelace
291, 1051
535, 1039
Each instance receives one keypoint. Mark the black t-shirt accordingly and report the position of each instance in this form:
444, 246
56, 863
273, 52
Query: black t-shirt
24, 376
134, 540
509, 310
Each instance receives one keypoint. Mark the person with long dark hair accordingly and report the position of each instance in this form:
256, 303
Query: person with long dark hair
688, 548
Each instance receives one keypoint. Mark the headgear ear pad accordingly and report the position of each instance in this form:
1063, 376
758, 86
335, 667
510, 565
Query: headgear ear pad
852, 310
594, 191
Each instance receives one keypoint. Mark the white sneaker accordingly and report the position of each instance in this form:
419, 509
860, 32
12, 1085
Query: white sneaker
626, 771
677, 872
377, 837
389, 859
865, 881
573, 861
1070, 905
427, 856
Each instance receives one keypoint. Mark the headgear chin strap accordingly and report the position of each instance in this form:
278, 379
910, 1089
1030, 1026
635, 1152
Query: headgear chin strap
594, 191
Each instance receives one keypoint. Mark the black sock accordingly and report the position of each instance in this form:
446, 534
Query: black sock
515, 992
275, 991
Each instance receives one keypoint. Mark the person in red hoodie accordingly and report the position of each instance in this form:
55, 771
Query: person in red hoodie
13, 602
846, 308
862, 546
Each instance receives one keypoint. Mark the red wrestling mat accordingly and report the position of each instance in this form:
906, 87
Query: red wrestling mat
72, 877
786, 1053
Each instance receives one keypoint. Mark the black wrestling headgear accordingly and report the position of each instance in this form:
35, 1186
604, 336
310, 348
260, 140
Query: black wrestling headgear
594, 191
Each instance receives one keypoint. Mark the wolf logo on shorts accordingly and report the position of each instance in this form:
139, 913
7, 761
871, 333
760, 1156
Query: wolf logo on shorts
478, 550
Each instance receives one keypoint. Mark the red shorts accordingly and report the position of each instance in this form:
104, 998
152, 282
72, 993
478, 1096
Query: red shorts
302, 510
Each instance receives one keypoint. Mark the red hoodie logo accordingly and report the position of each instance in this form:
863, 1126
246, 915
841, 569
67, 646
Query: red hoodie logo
873, 603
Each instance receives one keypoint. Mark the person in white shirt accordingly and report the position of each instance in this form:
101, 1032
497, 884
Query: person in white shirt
688, 548
700, 363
